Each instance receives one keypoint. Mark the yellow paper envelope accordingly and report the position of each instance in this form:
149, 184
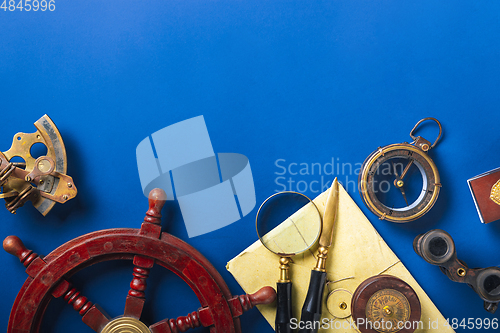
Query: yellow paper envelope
357, 253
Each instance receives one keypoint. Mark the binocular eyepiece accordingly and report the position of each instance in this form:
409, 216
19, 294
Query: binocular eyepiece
437, 248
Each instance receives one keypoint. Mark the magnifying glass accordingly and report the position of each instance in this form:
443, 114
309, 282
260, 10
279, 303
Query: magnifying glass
288, 223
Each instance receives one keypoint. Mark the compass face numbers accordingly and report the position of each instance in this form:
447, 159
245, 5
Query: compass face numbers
399, 182
388, 310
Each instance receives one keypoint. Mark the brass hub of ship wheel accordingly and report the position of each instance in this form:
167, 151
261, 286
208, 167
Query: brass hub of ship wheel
125, 325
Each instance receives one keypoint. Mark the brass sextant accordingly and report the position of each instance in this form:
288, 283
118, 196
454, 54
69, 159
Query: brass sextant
41, 180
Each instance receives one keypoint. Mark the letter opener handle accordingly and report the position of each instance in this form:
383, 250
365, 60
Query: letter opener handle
311, 311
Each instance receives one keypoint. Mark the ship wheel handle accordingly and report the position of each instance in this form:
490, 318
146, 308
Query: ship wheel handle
146, 247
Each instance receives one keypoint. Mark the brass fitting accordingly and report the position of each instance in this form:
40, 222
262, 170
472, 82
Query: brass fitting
322, 256
284, 267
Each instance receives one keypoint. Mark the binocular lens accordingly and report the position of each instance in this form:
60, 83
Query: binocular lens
435, 246
488, 282
438, 247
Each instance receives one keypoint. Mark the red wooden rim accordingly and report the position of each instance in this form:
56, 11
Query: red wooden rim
79, 253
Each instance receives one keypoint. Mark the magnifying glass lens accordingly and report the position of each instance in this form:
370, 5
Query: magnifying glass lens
288, 223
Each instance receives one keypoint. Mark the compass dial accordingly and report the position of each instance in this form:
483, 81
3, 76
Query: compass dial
399, 182
388, 310
385, 304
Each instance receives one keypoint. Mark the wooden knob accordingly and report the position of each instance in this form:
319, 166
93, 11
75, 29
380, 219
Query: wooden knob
15, 246
264, 295
157, 198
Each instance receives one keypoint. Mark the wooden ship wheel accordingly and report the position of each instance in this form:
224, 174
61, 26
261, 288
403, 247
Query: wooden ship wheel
48, 277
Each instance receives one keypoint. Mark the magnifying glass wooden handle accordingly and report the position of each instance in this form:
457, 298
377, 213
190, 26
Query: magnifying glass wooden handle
286, 208
284, 307
311, 311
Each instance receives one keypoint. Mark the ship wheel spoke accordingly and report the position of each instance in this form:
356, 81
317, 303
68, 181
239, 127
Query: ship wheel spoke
92, 314
136, 297
182, 324
96, 318
146, 246
151, 227
203, 316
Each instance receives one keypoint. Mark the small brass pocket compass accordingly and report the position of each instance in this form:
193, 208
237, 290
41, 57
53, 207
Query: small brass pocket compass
400, 182
385, 304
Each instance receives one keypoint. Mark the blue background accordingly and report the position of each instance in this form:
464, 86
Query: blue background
300, 81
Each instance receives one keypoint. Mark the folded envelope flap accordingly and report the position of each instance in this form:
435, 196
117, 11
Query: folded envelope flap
357, 252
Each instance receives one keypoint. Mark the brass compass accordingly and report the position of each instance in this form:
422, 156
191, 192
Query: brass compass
400, 182
390, 306
385, 304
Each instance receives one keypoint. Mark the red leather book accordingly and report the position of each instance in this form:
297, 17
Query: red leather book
485, 190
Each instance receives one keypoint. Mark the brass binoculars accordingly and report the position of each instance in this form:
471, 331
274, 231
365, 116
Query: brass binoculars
437, 248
